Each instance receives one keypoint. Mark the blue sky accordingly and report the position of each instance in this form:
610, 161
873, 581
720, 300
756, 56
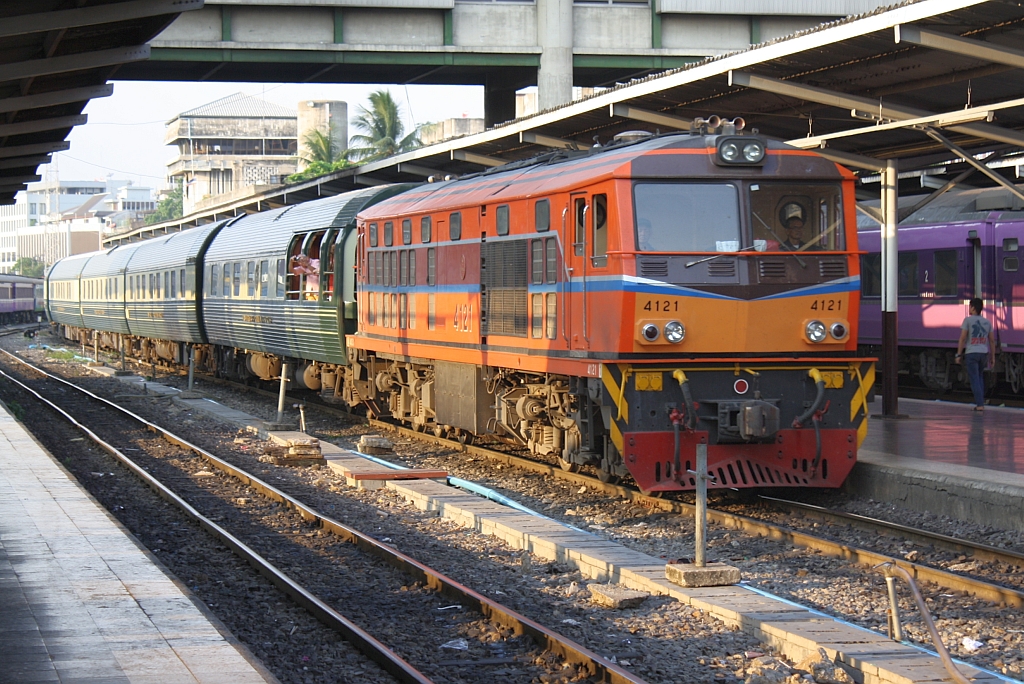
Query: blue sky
125, 132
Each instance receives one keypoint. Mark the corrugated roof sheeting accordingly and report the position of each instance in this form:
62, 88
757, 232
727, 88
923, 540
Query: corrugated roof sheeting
240, 105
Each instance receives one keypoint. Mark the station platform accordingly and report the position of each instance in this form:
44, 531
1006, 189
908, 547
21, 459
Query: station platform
81, 600
945, 458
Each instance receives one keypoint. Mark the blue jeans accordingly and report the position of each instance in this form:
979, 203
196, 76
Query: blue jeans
976, 364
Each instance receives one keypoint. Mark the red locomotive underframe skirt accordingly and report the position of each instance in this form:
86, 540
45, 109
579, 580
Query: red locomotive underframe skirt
787, 462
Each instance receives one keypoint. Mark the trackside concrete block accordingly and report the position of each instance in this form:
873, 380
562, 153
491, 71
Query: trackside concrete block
615, 596
711, 575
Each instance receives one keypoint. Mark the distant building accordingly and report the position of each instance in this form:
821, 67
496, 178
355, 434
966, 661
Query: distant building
449, 128
51, 216
234, 142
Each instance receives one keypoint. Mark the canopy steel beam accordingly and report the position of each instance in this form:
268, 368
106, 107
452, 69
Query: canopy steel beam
415, 170
844, 101
20, 180
24, 162
946, 120
76, 62
547, 141
37, 148
57, 97
637, 114
961, 46
473, 158
54, 124
955, 149
91, 16
858, 161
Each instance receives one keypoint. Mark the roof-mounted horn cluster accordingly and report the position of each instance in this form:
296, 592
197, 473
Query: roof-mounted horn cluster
710, 125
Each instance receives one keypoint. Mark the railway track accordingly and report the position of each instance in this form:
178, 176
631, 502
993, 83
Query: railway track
209, 506
921, 572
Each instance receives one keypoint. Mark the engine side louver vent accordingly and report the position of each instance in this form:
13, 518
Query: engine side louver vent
772, 269
654, 268
722, 268
834, 268
503, 275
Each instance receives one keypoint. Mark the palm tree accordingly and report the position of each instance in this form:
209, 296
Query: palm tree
381, 129
320, 146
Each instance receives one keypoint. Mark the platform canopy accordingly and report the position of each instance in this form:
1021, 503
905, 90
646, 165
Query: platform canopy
936, 84
56, 55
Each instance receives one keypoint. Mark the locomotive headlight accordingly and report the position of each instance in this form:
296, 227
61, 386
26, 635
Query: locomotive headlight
837, 330
674, 332
740, 150
815, 331
650, 332
753, 152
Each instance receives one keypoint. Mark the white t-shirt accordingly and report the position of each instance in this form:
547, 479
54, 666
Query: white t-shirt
979, 331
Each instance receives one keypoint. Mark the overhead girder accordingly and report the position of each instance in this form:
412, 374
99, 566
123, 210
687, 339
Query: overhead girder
39, 125
57, 97
75, 62
92, 16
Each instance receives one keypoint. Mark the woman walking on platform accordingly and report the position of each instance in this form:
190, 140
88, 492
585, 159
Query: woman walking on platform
975, 348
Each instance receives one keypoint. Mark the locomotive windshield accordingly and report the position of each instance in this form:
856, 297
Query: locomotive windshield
791, 217
687, 217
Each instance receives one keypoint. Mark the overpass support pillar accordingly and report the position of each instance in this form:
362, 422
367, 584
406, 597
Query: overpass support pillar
555, 35
499, 100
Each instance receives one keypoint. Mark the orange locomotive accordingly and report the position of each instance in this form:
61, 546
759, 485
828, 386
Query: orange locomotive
615, 307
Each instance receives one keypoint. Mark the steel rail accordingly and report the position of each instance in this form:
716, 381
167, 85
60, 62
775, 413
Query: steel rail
597, 666
943, 578
974, 549
364, 642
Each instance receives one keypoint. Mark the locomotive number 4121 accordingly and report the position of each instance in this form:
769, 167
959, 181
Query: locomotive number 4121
662, 305
827, 305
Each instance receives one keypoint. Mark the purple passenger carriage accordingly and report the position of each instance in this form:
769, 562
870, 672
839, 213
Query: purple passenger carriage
963, 244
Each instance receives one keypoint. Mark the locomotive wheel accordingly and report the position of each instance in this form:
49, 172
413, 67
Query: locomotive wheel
568, 466
464, 437
606, 477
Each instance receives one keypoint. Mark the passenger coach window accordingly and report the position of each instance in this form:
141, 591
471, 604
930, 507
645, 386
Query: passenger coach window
871, 275
226, 281
542, 215
455, 226
431, 267
281, 273
181, 283
945, 273
237, 279
909, 282
373, 234
425, 229
389, 234
501, 219
214, 280
264, 278
406, 231
250, 279
686, 217
174, 284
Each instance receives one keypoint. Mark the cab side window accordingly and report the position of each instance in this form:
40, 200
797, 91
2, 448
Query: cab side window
600, 222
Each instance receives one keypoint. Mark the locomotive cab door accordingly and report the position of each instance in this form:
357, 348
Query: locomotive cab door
574, 291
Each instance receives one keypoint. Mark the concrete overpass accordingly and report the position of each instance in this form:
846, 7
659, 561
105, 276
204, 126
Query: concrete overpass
503, 45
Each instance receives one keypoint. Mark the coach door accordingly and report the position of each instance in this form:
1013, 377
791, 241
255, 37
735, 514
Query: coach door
1009, 286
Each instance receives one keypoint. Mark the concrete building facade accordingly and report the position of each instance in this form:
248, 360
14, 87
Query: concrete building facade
504, 45
231, 143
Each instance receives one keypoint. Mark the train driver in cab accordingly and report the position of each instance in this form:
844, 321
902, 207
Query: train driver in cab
793, 216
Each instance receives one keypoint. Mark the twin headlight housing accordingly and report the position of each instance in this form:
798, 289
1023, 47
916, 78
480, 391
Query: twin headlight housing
673, 331
740, 150
818, 331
